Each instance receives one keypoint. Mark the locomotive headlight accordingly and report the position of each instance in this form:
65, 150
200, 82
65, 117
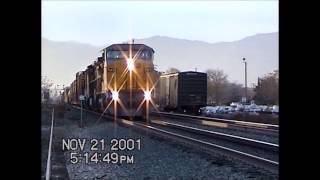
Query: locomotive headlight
130, 64
147, 95
115, 95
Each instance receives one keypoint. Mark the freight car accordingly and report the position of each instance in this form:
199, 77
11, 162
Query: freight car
120, 82
183, 91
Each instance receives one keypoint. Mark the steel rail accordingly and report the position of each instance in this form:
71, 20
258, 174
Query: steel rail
263, 126
48, 170
237, 139
270, 165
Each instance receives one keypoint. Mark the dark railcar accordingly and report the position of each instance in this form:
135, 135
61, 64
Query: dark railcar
183, 91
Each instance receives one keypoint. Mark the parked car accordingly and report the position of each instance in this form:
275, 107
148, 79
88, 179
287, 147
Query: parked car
275, 109
208, 110
237, 107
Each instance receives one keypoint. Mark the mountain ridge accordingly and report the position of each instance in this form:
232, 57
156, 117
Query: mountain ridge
62, 59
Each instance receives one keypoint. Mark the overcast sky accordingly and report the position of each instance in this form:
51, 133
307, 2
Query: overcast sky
104, 22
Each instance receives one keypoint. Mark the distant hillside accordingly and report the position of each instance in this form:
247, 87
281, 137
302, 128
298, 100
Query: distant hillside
61, 60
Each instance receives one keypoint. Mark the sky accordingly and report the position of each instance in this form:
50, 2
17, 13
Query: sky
103, 22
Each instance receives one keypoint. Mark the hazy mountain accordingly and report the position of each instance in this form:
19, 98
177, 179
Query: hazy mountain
61, 60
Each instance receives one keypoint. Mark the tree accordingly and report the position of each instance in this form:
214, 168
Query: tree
172, 70
217, 86
46, 83
267, 90
234, 92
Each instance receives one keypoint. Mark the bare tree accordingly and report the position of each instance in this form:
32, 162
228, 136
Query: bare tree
217, 86
46, 83
172, 70
267, 90
234, 92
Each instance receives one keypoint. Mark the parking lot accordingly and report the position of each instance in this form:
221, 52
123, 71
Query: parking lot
252, 112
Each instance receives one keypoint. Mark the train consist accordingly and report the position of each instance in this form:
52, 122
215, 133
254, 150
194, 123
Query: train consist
119, 82
123, 82
183, 91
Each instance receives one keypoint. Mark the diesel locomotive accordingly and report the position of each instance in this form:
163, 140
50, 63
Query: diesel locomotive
121, 82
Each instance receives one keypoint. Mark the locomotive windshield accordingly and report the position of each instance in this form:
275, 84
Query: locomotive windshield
114, 55
144, 54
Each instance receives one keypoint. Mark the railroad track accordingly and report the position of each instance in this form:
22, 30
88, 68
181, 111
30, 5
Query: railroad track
48, 169
270, 129
191, 136
223, 150
56, 167
236, 139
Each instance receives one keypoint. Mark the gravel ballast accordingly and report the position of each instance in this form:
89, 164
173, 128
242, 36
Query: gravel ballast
157, 158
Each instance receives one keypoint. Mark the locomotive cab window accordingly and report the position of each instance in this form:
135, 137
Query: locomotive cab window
114, 55
146, 55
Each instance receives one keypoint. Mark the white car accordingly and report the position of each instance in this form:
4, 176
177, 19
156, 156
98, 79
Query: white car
208, 110
247, 108
239, 107
264, 108
230, 109
224, 109
254, 108
275, 109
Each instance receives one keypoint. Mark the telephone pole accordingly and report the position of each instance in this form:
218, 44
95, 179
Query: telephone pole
245, 76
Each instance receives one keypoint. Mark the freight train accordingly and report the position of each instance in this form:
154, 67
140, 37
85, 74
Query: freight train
182, 91
121, 82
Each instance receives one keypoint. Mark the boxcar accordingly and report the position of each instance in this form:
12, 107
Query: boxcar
183, 91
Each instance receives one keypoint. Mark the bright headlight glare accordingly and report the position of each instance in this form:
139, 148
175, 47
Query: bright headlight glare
115, 95
147, 95
130, 64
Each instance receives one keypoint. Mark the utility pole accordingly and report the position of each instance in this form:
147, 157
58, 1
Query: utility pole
245, 76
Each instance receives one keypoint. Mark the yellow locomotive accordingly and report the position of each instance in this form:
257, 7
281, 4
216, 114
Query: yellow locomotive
120, 82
